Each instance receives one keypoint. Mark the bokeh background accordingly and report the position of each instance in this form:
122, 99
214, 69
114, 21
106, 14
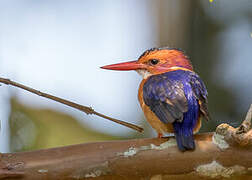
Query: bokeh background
58, 46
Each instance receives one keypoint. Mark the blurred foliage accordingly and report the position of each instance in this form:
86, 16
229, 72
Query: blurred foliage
204, 50
44, 128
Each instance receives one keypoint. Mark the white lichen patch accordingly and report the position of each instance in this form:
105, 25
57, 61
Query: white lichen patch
156, 177
132, 150
170, 143
214, 169
250, 169
91, 171
93, 174
220, 141
42, 170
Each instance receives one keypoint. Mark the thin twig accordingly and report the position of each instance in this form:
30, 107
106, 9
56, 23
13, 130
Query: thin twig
87, 110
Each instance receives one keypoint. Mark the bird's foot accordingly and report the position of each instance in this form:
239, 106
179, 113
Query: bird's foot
160, 135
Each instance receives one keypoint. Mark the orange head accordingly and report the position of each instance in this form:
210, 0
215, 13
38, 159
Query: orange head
155, 61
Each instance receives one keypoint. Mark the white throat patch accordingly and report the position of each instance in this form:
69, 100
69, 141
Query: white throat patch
144, 73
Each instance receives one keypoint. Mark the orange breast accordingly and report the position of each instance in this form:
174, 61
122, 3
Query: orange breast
153, 120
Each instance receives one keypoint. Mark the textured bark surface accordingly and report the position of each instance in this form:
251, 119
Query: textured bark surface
135, 159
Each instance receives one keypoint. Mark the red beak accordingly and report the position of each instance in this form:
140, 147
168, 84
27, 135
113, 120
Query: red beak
126, 66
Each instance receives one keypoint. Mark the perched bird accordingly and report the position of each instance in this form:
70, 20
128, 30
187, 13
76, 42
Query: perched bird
171, 94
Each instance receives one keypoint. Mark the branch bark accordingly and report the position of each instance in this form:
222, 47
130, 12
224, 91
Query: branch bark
132, 159
217, 155
87, 110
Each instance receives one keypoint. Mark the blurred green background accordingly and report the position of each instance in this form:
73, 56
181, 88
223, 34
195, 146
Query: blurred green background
58, 47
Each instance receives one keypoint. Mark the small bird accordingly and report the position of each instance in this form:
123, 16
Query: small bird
171, 94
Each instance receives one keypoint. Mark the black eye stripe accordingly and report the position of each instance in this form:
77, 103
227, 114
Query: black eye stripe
154, 61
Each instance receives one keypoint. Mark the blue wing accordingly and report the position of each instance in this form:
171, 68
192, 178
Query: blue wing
165, 97
164, 94
200, 92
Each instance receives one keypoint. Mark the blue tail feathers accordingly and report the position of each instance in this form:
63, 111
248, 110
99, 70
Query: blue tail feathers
184, 130
185, 142
184, 137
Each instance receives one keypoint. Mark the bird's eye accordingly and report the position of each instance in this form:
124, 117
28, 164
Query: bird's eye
154, 61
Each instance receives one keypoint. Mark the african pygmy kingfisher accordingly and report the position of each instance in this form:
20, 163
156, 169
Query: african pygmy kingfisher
171, 94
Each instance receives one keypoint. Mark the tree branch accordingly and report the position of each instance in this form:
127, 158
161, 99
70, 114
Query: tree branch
133, 159
87, 110
240, 136
214, 157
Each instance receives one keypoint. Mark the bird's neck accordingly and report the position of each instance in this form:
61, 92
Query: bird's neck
144, 73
